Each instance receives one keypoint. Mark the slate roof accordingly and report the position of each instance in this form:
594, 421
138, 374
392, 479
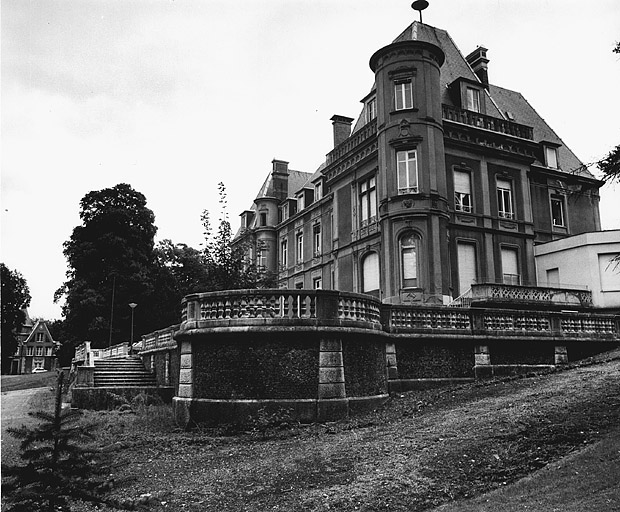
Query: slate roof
296, 181
500, 100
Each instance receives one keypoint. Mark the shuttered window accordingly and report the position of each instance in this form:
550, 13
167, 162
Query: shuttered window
466, 256
462, 191
370, 272
510, 266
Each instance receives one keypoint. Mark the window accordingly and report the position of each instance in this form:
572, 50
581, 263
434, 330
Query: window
409, 260
551, 157
318, 190
39, 351
407, 163
510, 267
299, 285
403, 94
609, 272
300, 202
30, 351
557, 211
317, 283
466, 260
473, 99
371, 110
284, 212
300, 247
504, 199
368, 201
40, 336
316, 240
370, 273
553, 276
263, 219
284, 253
48, 351
261, 259
462, 191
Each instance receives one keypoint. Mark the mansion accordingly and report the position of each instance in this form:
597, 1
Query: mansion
443, 181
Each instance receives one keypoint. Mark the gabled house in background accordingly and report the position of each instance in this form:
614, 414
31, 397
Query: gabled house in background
36, 348
443, 181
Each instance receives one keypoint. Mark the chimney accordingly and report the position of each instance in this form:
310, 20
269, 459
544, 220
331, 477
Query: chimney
279, 177
342, 128
478, 62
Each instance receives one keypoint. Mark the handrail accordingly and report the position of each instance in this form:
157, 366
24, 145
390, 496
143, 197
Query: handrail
495, 124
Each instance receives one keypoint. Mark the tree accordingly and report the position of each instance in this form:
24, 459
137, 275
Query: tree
15, 298
58, 468
227, 266
111, 263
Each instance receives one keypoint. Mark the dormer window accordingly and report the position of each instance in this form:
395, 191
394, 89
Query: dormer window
318, 190
551, 157
284, 212
300, 202
403, 94
371, 110
473, 99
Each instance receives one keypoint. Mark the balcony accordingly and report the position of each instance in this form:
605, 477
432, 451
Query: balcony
485, 122
532, 295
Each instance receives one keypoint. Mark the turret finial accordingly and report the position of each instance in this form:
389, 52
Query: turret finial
419, 5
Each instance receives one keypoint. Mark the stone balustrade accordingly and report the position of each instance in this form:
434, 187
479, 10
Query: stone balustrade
273, 307
485, 122
160, 340
499, 292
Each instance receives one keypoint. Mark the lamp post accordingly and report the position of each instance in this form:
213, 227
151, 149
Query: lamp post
132, 305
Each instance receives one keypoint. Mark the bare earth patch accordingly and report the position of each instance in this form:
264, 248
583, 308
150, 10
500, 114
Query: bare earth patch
420, 451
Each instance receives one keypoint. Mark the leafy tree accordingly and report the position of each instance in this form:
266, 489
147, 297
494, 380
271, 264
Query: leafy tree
111, 263
227, 266
58, 469
15, 298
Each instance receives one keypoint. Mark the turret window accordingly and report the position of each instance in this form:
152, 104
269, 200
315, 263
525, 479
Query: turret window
407, 163
409, 260
403, 95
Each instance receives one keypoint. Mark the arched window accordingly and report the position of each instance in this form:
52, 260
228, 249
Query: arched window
370, 274
409, 249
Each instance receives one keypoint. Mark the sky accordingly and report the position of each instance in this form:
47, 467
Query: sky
173, 97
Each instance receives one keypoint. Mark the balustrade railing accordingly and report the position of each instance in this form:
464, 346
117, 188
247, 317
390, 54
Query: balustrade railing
485, 122
239, 305
163, 338
531, 294
367, 131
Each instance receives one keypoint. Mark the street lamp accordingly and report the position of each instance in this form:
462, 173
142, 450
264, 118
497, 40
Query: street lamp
132, 305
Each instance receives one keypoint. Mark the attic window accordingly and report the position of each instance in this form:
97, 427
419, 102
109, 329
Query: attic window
371, 109
318, 190
551, 157
473, 99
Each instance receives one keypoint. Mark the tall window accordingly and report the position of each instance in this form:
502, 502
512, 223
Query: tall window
40, 336
557, 211
510, 266
300, 248
316, 240
467, 267
462, 191
284, 253
473, 99
370, 273
261, 260
300, 202
30, 351
368, 201
403, 94
371, 110
39, 351
409, 260
551, 157
263, 219
284, 212
504, 199
48, 351
407, 163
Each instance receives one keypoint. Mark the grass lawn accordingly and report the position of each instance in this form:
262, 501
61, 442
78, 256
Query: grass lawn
35, 380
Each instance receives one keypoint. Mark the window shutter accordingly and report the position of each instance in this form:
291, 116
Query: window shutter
466, 255
370, 272
462, 182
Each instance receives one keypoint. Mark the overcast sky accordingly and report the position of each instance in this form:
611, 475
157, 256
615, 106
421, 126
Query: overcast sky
174, 96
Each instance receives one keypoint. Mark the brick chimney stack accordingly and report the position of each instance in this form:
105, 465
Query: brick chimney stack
342, 128
279, 175
478, 62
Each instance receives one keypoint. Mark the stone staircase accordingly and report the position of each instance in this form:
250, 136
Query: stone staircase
122, 372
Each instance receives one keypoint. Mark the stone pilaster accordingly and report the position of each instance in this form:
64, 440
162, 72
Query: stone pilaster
331, 370
391, 367
186, 372
561, 354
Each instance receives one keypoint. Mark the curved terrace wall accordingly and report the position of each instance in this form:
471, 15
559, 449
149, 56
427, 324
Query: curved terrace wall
322, 354
317, 353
